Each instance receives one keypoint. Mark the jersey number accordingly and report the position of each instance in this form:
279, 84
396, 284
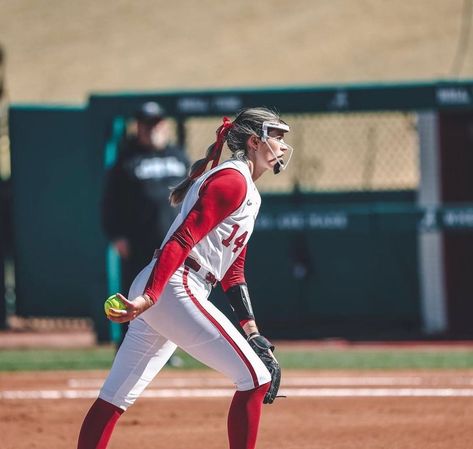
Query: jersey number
239, 241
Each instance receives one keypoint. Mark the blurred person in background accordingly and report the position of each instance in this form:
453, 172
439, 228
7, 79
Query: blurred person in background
136, 211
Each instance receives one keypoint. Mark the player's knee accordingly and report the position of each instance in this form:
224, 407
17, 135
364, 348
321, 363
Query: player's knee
259, 376
264, 377
121, 403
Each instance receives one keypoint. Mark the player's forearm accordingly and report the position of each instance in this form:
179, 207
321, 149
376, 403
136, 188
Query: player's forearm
250, 327
240, 302
170, 258
145, 303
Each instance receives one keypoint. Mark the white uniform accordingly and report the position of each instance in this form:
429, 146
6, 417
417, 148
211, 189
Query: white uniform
183, 316
217, 251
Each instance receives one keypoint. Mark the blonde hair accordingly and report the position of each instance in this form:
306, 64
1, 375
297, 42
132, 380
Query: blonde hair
247, 123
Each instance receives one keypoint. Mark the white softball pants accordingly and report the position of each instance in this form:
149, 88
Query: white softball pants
184, 317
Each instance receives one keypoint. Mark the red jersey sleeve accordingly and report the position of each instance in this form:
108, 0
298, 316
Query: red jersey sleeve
235, 275
219, 196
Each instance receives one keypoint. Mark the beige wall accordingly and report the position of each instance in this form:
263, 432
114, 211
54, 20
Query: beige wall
60, 50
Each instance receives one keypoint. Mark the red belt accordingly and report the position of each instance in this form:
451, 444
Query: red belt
195, 266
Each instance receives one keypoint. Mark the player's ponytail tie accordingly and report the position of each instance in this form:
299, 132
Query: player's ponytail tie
222, 132
215, 150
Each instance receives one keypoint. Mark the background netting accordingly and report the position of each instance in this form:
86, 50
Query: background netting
336, 152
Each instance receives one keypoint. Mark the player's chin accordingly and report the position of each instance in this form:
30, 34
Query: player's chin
275, 160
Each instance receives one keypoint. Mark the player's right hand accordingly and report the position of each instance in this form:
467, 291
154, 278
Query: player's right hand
133, 308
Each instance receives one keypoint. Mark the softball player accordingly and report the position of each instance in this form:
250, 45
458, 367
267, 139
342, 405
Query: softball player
205, 244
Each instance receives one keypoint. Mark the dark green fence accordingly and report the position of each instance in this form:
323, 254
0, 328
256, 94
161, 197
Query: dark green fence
56, 181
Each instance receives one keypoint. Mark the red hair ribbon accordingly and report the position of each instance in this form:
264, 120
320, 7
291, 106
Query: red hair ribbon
222, 132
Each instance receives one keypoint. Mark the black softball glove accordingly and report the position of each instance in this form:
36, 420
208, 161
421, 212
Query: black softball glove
264, 349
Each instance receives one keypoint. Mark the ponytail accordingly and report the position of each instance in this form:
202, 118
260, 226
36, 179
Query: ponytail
214, 152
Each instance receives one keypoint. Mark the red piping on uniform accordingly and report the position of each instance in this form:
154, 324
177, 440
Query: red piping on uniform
219, 327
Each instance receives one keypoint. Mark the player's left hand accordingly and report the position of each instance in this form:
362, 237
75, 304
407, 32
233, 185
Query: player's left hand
264, 349
133, 308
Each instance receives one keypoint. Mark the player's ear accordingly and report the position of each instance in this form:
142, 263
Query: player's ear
253, 142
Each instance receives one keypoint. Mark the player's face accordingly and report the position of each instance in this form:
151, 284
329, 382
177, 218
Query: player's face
274, 148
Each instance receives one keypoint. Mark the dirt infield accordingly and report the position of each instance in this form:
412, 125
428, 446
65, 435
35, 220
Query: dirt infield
323, 410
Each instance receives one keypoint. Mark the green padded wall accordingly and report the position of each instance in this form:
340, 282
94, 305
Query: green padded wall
359, 281
56, 184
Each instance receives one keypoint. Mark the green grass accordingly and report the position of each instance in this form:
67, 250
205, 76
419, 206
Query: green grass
102, 357
369, 359
55, 359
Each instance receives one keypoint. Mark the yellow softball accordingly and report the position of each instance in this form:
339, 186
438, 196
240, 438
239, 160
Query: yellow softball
113, 302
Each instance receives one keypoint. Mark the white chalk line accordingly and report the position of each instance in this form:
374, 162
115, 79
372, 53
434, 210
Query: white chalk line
228, 392
292, 386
